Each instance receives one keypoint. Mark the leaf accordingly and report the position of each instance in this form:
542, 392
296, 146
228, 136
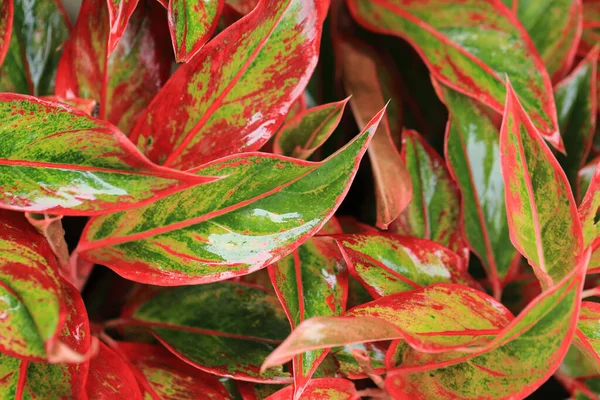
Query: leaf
473, 156
386, 263
6, 21
230, 340
555, 29
393, 189
584, 177
542, 216
262, 208
576, 103
321, 389
162, 375
57, 160
306, 132
242, 6
588, 332
88, 106
191, 23
234, 94
434, 210
588, 214
350, 367
119, 12
39, 28
310, 282
110, 378
32, 306
466, 46
123, 81
256, 391
591, 13
25, 379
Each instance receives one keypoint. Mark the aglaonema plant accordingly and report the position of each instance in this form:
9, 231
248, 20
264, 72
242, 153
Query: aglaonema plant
255, 199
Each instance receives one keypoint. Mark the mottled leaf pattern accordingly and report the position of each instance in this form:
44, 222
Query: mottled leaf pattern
588, 332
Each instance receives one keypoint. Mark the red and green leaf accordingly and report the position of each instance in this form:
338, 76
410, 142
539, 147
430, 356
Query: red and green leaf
261, 209
191, 23
110, 377
57, 160
256, 391
6, 22
119, 12
434, 211
310, 282
230, 340
88, 106
303, 134
473, 156
235, 93
542, 215
588, 213
466, 45
588, 331
321, 389
348, 365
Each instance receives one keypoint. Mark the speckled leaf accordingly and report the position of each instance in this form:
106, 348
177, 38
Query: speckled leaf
6, 22
588, 213
57, 160
229, 340
161, 375
576, 105
588, 331
386, 264
473, 156
39, 28
310, 282
434, 210
124, 82
110, 377
191, 23
321, 389
469, 46
306, 132
261, 210
542, 215
235, 93
393, 189
555, 29
119, 12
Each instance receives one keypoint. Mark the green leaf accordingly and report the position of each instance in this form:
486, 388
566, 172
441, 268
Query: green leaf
302, 135
588, 213
229, 340
588, 332
262, 208
470, 46
57, 160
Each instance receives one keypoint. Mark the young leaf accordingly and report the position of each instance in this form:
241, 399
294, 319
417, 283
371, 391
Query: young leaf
110, 377
434, 210
191, 23
588, 213
229, 340
123, 81
576, 104
6, 22
306, 132
473, 156
39, 28
262, 208
119, 12
555, 29
234, 94
310, 282
466, 46
386, 264
542, 215
321, 389
57, 160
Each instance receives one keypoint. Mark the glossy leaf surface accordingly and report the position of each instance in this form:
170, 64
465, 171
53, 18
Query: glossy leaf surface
465, 45
110, 377
321, 389
192, 22
182, 240
310, 282
473, 156
306, 132
6, 21
234, 94
119, 12
386, 264
541, 210
57, 160
393, 188
434, 210
229, 340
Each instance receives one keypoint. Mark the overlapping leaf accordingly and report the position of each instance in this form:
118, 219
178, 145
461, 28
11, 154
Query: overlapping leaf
588, 213
588, 331
119, 12
39, 28
434, 210
123, 81
229, 340
321, 389
466, 46
109, 377
242, 6
306, 132
348, 365
262, 208
473, 156
57, 160
310, 282
234, 94
256, 391
6, 21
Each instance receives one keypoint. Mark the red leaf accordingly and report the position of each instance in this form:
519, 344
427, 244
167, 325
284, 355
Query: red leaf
321, 389
6, 22
119, 12
110, 378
